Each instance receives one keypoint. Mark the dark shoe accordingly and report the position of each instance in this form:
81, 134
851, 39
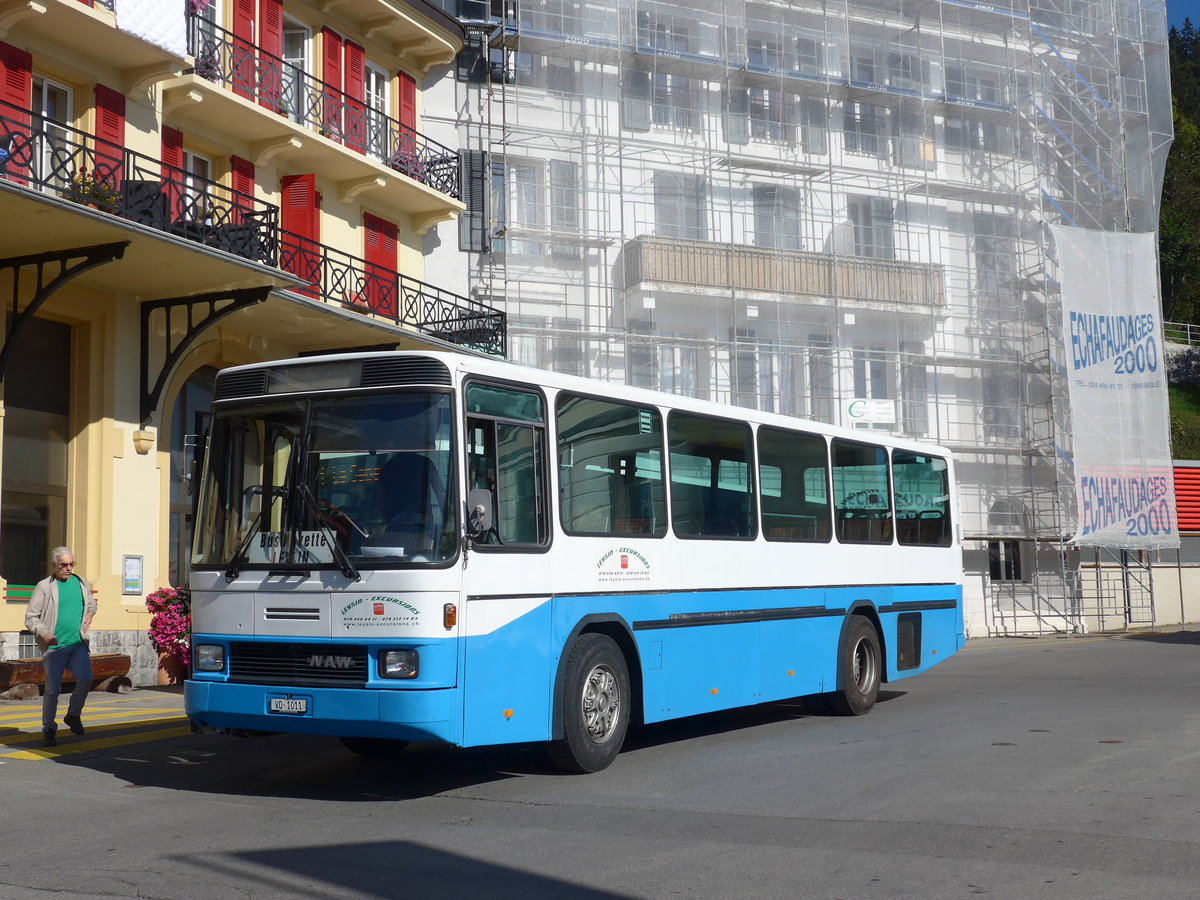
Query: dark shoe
74, 724
48, 738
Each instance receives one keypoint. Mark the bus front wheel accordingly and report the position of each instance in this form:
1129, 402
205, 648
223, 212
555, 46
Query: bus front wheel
861, 669
595, 705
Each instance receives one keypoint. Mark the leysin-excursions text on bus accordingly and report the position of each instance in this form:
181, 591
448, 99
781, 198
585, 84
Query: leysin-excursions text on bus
404, 546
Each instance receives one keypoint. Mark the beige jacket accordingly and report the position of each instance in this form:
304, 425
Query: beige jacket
42, 613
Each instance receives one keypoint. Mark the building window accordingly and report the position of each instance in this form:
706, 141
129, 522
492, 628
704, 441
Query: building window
52, 107
680, 206
375, 96
776, 217
527, 341
297, 39
872, 221
1004, 561
870, 367
814, 126
863, 128
770, 118
517, 187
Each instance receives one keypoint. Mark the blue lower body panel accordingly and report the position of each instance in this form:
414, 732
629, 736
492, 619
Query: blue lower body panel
405, 715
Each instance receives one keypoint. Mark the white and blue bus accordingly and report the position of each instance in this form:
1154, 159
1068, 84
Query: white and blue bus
406, 546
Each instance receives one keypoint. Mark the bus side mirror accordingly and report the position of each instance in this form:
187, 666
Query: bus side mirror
479, 513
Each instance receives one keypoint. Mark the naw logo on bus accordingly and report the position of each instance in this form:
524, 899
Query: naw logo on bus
622, 564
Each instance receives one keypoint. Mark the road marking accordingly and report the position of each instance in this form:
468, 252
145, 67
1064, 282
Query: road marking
91, 710
102, 744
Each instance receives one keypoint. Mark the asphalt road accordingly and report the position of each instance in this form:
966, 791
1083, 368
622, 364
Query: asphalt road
1020, 768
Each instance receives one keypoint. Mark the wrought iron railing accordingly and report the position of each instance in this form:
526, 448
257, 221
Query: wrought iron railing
66, 163
781, 271
354, 283
73, 165
291, 92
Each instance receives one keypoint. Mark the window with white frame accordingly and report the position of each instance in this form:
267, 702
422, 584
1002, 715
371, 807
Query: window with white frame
297, 41
517, 187
872, 222
870, 368
680, 206
197, 202
776, 217
375, 97
534, 195
864, 128
53, 109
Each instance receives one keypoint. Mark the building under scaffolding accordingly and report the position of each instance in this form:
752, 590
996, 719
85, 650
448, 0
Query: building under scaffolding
836, 210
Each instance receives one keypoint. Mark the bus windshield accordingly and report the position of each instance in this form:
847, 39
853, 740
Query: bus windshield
345, 482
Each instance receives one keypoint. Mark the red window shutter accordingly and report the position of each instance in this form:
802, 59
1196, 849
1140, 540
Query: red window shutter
331, 74
300, 220
16, 87
172, 170
355, 90
270, 42
242, 177
243, 62
408, 113
110, 136
379, 251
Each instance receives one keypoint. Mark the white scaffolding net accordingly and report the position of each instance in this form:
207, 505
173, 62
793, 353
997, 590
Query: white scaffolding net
818, 207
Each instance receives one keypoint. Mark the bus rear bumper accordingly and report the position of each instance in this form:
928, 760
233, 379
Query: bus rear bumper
404, 715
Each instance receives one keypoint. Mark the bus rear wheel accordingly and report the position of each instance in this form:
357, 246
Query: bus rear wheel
861, 669
373, 748
595, 706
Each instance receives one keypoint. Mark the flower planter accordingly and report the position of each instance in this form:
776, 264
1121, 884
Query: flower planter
171, 669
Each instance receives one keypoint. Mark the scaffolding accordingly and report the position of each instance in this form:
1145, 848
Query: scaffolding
791, 205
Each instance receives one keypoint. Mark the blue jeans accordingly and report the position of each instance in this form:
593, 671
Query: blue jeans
78, 659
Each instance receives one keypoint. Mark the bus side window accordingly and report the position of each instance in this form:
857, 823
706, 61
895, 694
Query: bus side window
506, 452
922, 485
712, 482
861, 498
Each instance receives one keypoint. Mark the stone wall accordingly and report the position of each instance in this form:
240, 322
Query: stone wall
143, 665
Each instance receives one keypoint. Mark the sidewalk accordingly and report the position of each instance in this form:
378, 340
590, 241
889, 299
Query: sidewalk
110, 720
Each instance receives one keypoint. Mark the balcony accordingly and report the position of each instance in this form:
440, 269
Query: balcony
93, 33
65, 188
355, 284
190, 235
286, 114
418, 32
794, 272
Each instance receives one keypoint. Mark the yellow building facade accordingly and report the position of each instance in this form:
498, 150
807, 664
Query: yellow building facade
187, 185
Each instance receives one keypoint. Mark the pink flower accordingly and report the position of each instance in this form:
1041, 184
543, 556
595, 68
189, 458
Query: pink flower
171, 622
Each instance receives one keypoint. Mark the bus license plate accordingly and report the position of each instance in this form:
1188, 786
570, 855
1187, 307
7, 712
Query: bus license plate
295, 706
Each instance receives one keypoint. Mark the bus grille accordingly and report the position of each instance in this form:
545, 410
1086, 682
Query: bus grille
404, 370
301, 665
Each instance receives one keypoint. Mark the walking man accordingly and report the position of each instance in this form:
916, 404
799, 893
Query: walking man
59, 614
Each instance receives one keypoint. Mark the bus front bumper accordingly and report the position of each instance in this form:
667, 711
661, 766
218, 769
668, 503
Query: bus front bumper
404, 715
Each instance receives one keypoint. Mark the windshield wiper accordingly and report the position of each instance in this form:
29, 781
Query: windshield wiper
235, 566
339, 554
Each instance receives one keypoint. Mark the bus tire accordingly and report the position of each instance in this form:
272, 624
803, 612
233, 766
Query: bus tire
373, 748
595, 705
861, 668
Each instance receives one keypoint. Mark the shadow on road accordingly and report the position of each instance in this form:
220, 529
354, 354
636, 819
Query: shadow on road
381, 869
1167, 637
319, 768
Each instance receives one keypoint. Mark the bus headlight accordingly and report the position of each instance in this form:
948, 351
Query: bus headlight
208, 658
399, 664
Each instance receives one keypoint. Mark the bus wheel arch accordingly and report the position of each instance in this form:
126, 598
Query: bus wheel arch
861, 666
595, 704
618, 629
